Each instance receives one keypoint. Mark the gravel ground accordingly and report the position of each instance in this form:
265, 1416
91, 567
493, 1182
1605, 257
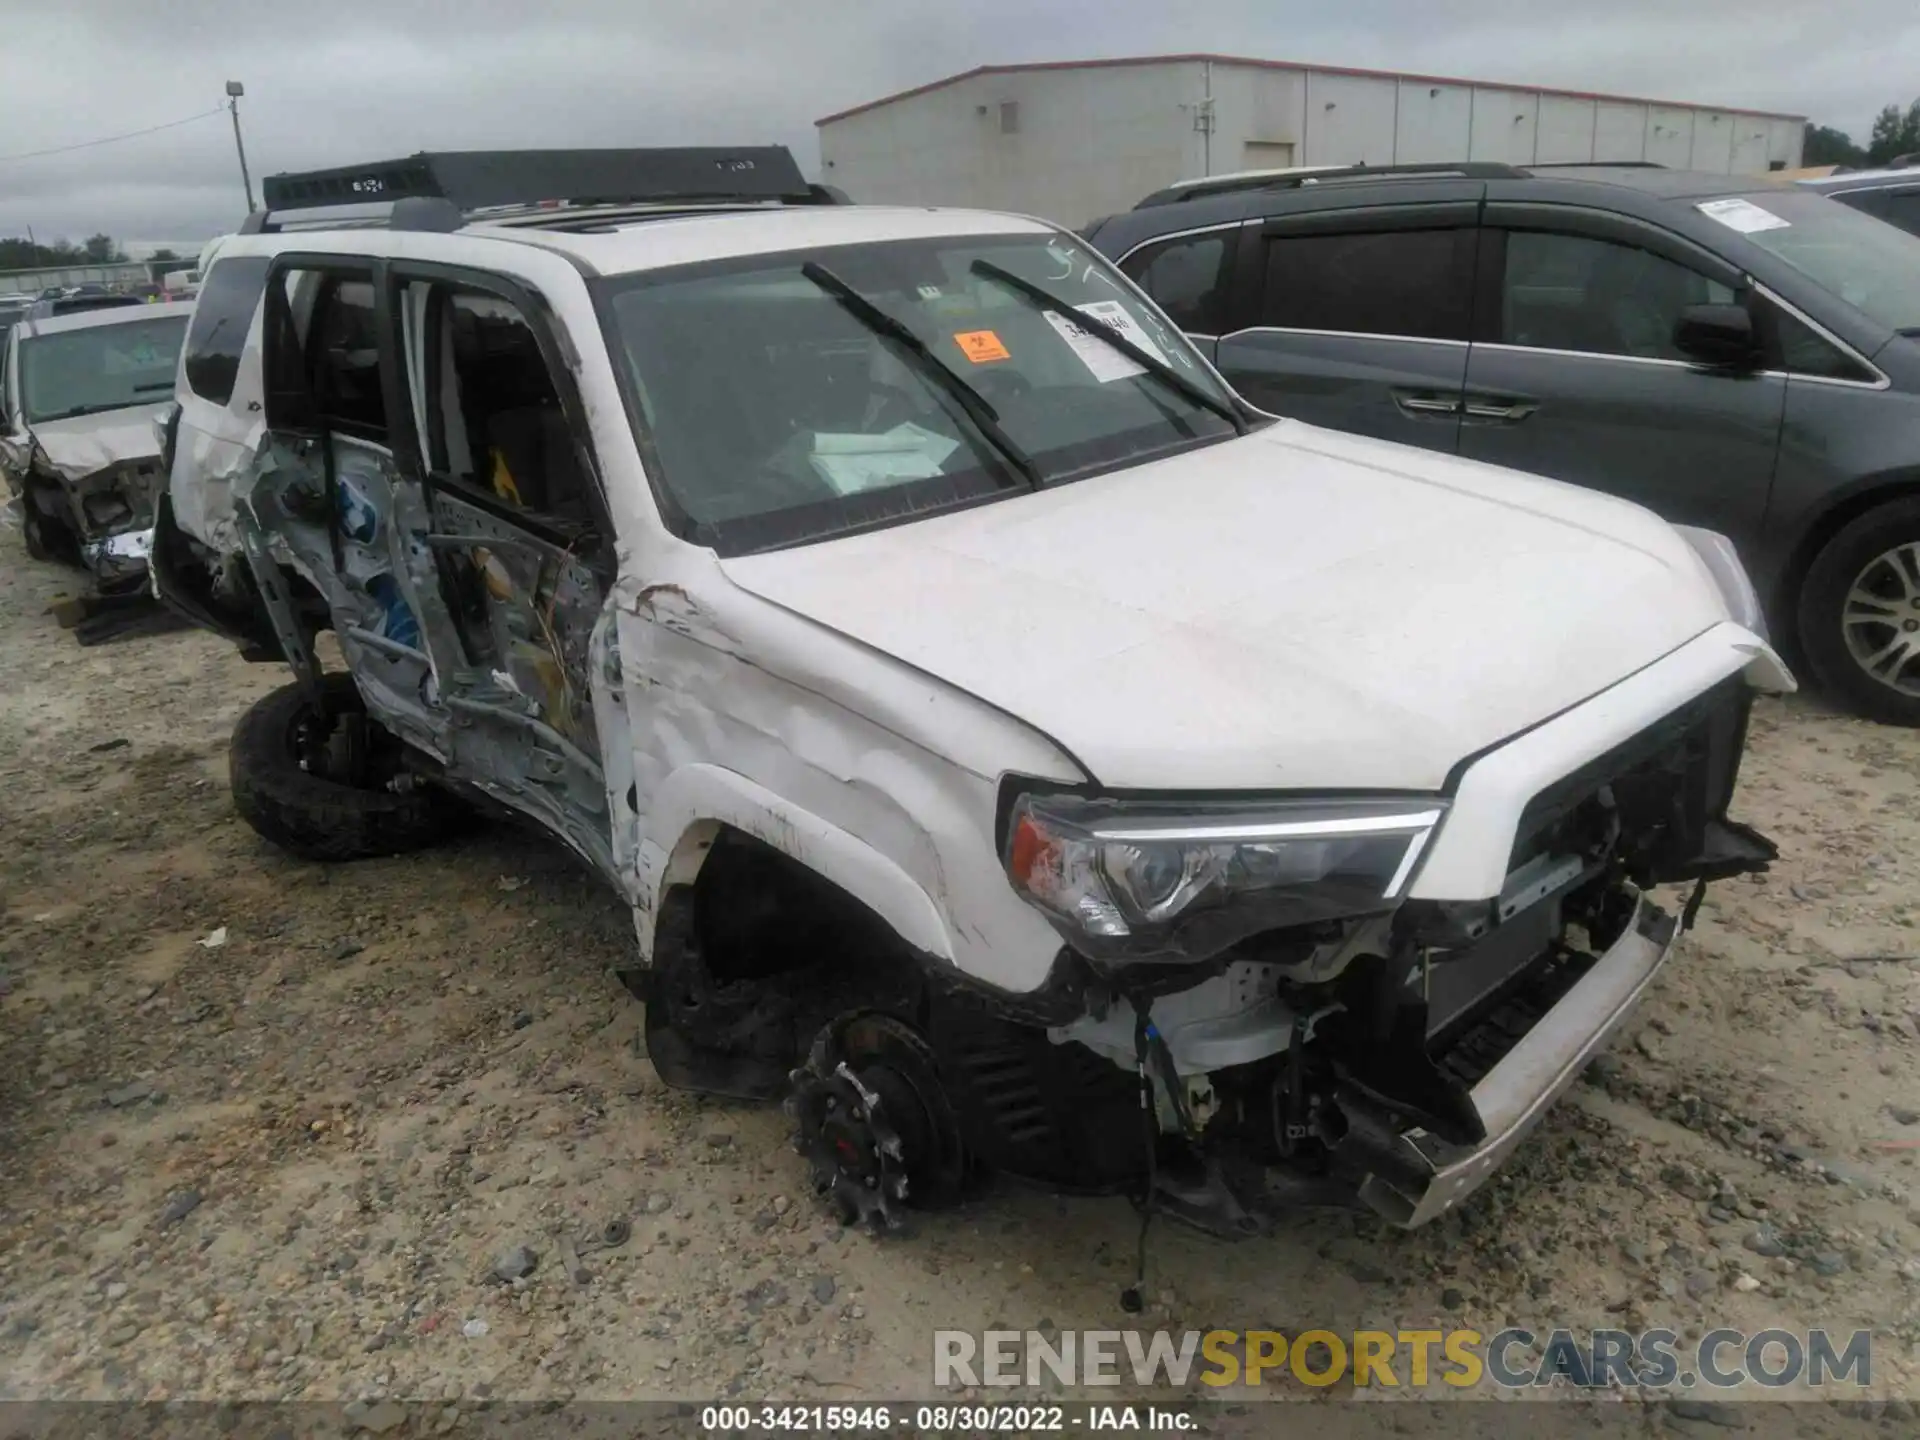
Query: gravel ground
274, 1129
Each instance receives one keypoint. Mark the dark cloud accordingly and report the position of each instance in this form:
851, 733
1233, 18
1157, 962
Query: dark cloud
355, 79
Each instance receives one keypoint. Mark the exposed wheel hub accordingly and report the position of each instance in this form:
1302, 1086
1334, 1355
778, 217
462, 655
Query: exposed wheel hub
872, 1123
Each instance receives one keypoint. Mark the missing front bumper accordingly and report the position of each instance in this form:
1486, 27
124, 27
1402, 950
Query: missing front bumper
1416, 1177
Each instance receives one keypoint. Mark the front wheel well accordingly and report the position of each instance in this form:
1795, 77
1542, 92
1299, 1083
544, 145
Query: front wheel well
759, 912
753, 954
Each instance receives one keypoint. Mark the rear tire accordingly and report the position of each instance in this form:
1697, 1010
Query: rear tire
315, 817
1859, 614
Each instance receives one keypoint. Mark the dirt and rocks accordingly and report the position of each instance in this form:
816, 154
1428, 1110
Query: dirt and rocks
386, 1131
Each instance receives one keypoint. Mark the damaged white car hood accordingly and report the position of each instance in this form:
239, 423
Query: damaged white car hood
84, 444
1295, 608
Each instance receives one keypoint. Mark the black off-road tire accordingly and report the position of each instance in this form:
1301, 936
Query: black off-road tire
310, 815
32, 534
1823, 600
47, 540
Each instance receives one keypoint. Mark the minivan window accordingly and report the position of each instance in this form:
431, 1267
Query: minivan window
1871, 265
1571, 292
779, 414
100, 367
1396, 282
1184, 277
1902, 208
222, 315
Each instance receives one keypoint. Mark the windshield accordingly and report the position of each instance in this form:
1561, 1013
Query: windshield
103, 367
1868, 263
797, 396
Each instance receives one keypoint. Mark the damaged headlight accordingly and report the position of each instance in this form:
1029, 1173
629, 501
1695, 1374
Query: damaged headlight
1146, 879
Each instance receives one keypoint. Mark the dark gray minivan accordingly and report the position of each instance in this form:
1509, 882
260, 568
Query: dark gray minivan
1735, 355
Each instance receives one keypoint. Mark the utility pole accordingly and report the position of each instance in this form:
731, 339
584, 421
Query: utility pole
234, 91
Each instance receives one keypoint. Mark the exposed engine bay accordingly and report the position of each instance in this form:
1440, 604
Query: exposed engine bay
1390, 1059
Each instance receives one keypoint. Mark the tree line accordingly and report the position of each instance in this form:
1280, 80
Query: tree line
22, 254
1896, 132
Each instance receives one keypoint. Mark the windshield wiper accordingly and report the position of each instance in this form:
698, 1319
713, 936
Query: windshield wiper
153, 385
1045, 299
977, 406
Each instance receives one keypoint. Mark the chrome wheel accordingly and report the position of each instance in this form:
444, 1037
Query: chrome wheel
1880, 619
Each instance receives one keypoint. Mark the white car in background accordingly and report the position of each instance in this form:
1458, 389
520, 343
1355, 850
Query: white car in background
81, 451
1016, 752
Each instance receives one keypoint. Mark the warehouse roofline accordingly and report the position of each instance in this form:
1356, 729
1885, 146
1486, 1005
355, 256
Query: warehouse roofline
1298, 65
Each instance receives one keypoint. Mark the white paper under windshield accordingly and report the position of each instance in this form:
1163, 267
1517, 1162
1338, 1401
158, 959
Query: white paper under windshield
1101, 359
1742, 215
851, 463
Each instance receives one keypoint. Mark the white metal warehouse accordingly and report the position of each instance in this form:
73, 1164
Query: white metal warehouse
1075, 140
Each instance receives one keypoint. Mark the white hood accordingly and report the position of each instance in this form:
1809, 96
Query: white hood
1298, 608
79, 446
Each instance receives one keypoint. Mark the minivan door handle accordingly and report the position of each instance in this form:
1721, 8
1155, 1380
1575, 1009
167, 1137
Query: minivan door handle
1506, 409
1424, 402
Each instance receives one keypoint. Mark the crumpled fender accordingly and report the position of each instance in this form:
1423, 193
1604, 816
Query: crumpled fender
696, 799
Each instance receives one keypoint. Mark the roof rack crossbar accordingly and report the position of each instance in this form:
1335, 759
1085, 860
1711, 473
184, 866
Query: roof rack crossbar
467, 181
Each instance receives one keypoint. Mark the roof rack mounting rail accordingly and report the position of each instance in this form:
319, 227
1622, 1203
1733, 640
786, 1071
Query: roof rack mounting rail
1596, 165
461, 182
1331, 175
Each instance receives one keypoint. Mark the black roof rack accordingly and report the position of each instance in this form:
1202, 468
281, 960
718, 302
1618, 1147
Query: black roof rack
1229, 184
453, 184
1597, 165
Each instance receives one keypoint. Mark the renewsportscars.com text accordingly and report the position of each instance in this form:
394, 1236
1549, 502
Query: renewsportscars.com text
1463, 1359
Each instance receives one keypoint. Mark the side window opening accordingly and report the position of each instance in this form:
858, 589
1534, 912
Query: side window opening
343, 358
1598, 297
222, 316
1186, 278
494, 415
1394, 282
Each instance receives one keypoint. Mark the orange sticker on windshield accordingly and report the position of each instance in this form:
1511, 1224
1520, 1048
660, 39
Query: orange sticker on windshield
980, 346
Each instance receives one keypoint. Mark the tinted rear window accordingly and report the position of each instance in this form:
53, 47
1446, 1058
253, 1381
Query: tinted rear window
1399, 282
222, 315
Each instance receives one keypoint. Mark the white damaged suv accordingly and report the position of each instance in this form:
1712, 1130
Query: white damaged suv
1000, 732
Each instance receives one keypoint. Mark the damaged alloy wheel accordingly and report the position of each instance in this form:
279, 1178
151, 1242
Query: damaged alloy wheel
327, 783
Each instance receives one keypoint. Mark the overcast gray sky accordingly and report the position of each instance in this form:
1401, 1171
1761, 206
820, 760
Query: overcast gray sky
352, 80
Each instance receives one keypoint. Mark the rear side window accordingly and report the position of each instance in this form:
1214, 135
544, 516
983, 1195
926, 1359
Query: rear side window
1396, 282
1186, 278
221, 318
1903, 209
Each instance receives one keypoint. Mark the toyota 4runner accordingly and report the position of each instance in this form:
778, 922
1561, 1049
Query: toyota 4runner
1017, 753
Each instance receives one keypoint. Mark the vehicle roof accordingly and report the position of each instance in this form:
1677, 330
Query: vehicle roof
619, 246
96, 319
1651, 181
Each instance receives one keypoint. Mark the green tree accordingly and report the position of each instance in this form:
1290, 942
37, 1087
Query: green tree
163, 253
1895, 132
1828, 146
100, 250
